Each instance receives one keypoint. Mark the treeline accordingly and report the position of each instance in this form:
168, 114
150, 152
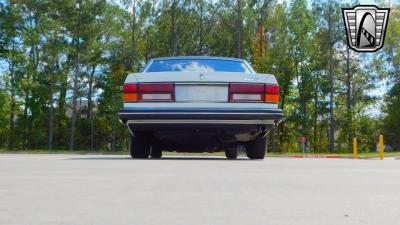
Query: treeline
63, 63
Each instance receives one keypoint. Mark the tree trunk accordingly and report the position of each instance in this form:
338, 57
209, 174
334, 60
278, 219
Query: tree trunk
301, 89
90, 107
332, 121
173, 28
239, 28
31, 94
12, 103
113, 139
12, 116
26, 101
60, 130
315, 113
51, 119
201, 32
75, 81
53, 69
133, 39
149, 50
349, 103
281, 130
26, 123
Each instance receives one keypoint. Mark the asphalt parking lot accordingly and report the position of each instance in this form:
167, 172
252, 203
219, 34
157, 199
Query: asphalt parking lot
103, 189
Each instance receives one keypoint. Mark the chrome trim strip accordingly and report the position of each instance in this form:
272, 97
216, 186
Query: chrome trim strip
196, 113
147, 66
200, 122
202, 83
200, 107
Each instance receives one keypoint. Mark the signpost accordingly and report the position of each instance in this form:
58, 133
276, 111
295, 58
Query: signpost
355, 150
381, 147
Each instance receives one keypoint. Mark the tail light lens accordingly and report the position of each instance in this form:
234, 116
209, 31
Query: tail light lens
157, 92
253, 93
130, 93
165, 92
246, 92
271, 93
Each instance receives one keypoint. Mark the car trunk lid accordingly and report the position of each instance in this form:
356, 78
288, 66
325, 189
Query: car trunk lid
200, 86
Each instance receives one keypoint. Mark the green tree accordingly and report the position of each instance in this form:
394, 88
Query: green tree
391, 65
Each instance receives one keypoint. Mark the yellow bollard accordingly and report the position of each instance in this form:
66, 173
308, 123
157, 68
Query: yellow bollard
381, 147
355, 152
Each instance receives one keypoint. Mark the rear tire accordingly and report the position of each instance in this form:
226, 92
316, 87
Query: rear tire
139, 147
156, 151
231, 153
256, 148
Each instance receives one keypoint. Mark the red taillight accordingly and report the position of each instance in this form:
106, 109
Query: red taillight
130, 88
130, 93
271, 93
244, 92
271, 89
156, 87
246, 88
156, 92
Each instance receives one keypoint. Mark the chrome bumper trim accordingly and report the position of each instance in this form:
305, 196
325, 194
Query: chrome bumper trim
199, 113
200, 121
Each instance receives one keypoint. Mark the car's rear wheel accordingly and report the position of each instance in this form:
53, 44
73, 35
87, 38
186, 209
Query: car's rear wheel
256, 148
139, 147
156, 151
231, 153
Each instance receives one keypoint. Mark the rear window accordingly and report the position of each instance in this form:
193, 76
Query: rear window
198, 65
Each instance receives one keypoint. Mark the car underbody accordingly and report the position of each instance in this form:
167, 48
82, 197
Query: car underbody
205, 138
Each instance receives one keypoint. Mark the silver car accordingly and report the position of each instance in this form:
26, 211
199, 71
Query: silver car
199, 104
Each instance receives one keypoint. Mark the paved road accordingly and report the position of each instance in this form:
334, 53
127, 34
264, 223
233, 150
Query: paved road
111, 190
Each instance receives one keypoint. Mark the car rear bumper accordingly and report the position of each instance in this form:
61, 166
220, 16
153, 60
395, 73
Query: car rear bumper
199, 116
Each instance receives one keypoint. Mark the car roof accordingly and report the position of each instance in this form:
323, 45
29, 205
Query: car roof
198, 57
